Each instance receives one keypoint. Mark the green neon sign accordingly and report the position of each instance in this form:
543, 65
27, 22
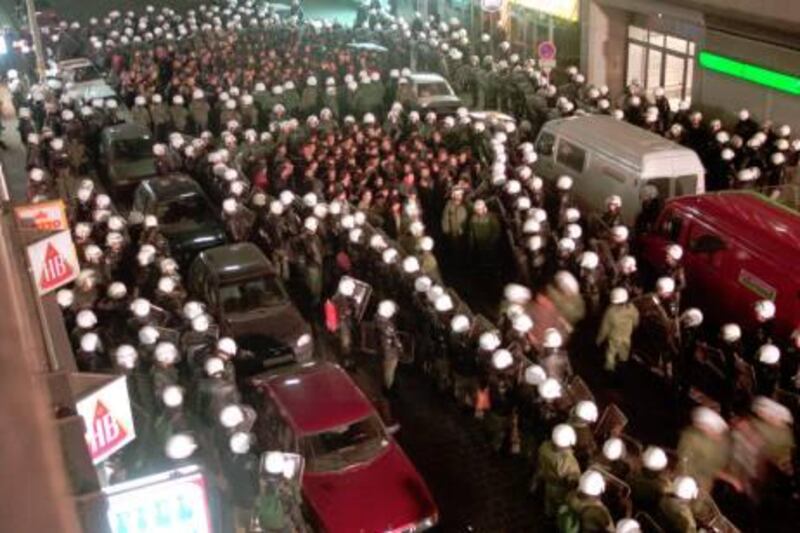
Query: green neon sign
752, 73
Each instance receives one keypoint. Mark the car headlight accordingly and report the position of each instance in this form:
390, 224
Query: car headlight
303, 340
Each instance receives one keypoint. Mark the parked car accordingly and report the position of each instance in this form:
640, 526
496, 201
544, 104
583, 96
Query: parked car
186, 217
428, 91
739, 247
356, 477
125, 158
246, 295
605, 156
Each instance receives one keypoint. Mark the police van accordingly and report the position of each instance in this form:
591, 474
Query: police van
605, 156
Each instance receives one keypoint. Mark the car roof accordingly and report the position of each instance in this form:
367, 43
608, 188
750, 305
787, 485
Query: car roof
621, 141
426, 77
318, 396
126, 131
237, 261
772, 228
166, 188
78, 62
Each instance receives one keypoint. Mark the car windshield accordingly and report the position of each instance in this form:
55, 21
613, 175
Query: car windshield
433, 88
133, 149
84, 74
243, 296
348, 445
187, 208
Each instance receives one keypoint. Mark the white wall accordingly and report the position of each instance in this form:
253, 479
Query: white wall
603, 37
722, 95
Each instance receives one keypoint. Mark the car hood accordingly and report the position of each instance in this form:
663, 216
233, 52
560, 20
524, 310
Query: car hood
280, 322
122, 172
193, 236
383, 495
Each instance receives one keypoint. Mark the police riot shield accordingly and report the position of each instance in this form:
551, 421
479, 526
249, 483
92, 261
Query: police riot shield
611, 423
617, 496
361, 297
169, 335
578, 391
647, 523
370, 343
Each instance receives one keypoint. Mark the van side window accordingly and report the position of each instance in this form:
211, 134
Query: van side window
671, 227
571, 156
544, 146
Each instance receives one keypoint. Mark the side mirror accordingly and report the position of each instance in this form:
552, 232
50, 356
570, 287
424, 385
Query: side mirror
707, 244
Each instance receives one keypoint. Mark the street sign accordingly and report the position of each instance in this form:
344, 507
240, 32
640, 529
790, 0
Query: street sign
108, 419
53, 261
491, 6
175, 501
546, 51
44, 216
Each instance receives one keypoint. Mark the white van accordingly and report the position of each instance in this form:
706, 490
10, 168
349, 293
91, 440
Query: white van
605, 156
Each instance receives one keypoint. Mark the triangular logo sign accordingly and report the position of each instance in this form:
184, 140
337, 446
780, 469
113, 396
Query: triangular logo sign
106, 433
55, 270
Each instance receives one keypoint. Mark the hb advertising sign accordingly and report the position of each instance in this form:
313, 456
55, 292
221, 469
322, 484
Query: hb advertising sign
171, 502
54, 262
108, 419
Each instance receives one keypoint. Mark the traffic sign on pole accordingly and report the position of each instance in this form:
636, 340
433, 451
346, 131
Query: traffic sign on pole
491, 6
547, 51
53, 261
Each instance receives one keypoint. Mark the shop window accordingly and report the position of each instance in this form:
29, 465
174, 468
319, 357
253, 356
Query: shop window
571, 156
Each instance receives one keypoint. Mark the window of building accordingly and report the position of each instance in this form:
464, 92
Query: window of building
659, 60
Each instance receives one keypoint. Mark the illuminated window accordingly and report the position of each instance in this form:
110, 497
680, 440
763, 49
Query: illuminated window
659, 60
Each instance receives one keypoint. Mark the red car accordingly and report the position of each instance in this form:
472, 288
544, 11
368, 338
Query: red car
739, 247
356, 478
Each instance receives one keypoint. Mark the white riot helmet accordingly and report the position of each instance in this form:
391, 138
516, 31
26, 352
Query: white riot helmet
709, 420
489, 341
731, 332
586, 410
614, 449
654, 459
172, 396
592, 483
387, 309
552, 338
90, 342
86, 319
675, 252
618, 296
180, 446
550, 389
516, 293
765, 310
231, 416
166, 353
769, 354
564, 183
628, 525
126, 356
148, 335
685, 488
564, 436
535, 375
502, 359
665, 286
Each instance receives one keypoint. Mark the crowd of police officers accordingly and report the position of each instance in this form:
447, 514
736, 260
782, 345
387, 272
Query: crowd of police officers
301, 141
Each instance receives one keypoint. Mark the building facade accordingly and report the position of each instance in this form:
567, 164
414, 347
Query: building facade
723, 55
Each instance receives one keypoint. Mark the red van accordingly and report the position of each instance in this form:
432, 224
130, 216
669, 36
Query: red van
739, 247
356, 477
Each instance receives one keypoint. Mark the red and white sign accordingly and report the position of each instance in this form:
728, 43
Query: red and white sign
491, 6
108, 419
546, 51
174, 501
54, 261
44, 216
